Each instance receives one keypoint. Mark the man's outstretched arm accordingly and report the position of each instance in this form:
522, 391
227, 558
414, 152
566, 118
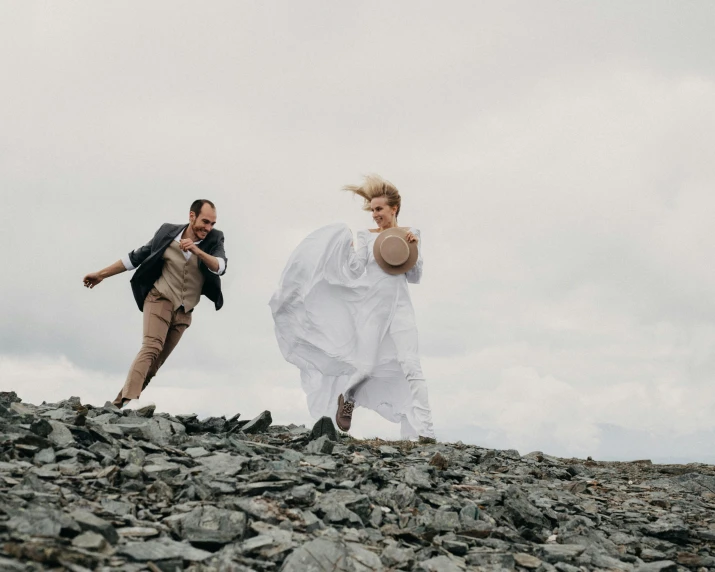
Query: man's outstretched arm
129, 262
94, 278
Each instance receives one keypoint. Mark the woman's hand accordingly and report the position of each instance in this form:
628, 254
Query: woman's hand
411, 237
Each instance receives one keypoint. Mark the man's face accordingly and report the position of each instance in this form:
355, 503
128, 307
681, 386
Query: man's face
202, 224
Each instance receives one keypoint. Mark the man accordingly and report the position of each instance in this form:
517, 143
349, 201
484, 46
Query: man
174, 268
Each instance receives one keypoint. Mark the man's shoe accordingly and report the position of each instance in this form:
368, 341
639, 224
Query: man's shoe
427, 440
120, 403
344, 416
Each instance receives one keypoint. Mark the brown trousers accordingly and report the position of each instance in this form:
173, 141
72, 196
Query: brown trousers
163, 328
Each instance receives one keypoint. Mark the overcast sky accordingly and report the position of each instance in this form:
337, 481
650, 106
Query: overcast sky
557, 157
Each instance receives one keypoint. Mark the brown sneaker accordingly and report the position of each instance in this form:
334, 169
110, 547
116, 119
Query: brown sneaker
344, 416
427, 440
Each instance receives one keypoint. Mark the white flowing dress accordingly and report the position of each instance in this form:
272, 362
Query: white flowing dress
350, 328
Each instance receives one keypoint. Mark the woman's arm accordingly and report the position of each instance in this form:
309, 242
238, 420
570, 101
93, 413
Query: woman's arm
414, 275
357, 259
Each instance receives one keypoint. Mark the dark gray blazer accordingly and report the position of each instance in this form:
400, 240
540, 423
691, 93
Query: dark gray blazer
149, 260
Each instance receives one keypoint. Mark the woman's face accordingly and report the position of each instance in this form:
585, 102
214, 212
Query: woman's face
382, 214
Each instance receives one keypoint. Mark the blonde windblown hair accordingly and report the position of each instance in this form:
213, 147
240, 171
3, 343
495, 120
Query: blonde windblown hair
373, 187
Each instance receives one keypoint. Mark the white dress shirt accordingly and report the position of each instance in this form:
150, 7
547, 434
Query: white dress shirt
221, 262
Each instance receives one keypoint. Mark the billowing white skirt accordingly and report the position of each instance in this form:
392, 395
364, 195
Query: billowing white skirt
337, 328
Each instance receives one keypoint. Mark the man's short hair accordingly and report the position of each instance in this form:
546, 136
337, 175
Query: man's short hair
198, 204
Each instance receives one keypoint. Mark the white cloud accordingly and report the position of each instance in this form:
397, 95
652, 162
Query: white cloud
556, 158
516, 408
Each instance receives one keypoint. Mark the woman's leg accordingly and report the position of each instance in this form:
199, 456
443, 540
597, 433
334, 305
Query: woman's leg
419, 413
356, 380
403, 332
371, 326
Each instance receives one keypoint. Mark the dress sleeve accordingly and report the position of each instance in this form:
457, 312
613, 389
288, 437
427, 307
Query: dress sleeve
357, 258
414, 275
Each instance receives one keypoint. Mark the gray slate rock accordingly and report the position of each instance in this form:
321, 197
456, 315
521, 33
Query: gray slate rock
255, 501
45, 457
561, 552
342, 505
661, 566
324, 554
439, 564
41, 427
214, 425
302, 495
223, 464
258, 424
60, 436
146, 411
163, 470
88, 521
395, 557
135, 456
90, 541
196, 452
528, 561
387, 451
668, 527
322, 445
417, 478
445, 521
8, 397
162, 549
324, 427
42, 521
209, 526
522, 512
7, 565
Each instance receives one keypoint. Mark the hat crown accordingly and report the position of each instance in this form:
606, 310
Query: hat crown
395, 250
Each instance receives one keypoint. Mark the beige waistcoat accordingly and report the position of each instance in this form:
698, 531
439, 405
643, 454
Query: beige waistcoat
181, 280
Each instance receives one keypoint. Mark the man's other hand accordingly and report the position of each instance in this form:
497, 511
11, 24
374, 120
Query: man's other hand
187, 245
92, 279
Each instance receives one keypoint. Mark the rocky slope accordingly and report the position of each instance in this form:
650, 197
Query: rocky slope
95, 488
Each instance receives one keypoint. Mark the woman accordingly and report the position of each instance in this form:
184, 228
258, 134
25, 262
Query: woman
350, 326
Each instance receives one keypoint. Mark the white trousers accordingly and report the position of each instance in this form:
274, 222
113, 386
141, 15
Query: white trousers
417, 421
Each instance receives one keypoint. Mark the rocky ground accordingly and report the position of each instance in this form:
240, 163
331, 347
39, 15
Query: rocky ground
95, 488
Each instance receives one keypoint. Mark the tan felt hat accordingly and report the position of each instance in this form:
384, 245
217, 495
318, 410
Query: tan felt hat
392, 251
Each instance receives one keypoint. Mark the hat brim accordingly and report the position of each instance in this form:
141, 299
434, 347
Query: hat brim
389, 268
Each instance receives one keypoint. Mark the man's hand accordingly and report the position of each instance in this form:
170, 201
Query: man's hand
92, 279
187, 245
